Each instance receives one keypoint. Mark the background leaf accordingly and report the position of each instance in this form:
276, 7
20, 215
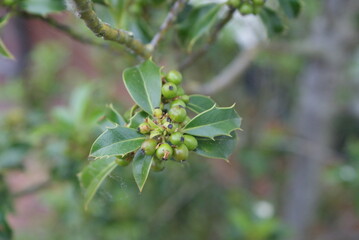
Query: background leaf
214, 122
143, 82
197, 23
200, 103
93, 175
291, 7
42, 7
272, 21
221, 147
116, 141
4, 51
141, 166
112, 115
4, 19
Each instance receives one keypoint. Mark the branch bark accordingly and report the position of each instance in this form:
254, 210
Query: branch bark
212, 39
230, 74
107, 32
171, 17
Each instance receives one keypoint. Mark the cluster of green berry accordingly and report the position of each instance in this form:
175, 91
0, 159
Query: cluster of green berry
164, 136
246, 7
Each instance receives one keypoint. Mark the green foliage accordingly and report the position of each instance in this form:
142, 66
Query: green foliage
291, 7
199, 20
4, 51
93, 175
272, 21
141, 168
200, 103
42, 7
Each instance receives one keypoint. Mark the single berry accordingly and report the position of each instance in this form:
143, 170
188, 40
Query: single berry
144, 128
164, 151
185, 98
177, 114
190, 142
169, 90
180, 91
176, 138
234, 3
156, 132
258, 3
122, 162
149, 146
246, 9
178, 102
157, 165
186, 120
174, 77
180, 153
157, 113
170, 127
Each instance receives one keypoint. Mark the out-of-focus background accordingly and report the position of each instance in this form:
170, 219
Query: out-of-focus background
294, 174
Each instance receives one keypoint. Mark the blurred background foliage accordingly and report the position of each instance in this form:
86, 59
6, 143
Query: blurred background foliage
55, 92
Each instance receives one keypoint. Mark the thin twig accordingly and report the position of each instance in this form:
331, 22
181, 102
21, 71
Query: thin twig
32, 189
230, 74
68, 31
104, 30
171, 17
212, 38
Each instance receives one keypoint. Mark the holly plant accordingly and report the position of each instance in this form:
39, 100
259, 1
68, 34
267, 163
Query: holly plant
158, 128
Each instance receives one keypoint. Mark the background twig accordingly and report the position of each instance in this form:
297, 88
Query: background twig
171, 17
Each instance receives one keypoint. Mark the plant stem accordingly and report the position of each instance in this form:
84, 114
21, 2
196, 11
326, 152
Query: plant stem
104, 30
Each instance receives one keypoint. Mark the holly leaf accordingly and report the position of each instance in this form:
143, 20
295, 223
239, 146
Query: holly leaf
214, 122
272, 21
141, 166
137, 119
198, 22
113, 116
116, 141
42, 7
291, 7
92, 176
4, 51
143, 82
199, 103
221, 147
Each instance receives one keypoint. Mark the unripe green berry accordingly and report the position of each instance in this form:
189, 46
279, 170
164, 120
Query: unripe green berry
164, 151
157, 113
176, 138
180, 91
156, 132
234, 3
190, 141
178, 102
177, 114
246, 9
170, 127
174, 77
185, 98
144, 128
186, 120
180, 153
149, 146
157, 165
258, 3
169, 90
122, 162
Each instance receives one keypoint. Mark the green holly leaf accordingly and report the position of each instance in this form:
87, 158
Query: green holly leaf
214, 122
221, 147
113, 116
141, 166
4, 19
42, 7
4, 51
92, 176
272, 21
5, 229
198, 23
137, 119
291, 7
143, 82
116, 141
200, 103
